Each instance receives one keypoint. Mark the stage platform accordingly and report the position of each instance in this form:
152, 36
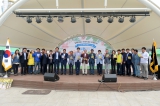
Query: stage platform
85, 83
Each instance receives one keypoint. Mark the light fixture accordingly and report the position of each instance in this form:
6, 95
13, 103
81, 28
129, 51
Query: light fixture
73, 19
29, 19
99, 20
110, 19
60, 19
88, 20
49, 19
132, 19
121, 19
38, 19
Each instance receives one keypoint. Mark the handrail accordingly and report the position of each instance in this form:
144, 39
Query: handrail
9, 7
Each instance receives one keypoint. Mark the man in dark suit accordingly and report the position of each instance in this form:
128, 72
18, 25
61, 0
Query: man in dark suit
50, 61
23, 61
124, 62
92, 57
43, 50
44, 62
64, 57
56, 60
128, 62
133, 67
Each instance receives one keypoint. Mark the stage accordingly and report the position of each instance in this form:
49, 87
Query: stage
85, 83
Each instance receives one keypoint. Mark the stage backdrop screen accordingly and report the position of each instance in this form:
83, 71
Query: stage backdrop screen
85, 42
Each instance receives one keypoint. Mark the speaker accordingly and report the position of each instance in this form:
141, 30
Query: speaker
1, 57
51, 77
109, 78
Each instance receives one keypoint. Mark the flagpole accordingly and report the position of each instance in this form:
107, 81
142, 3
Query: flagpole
154, 75
6, 76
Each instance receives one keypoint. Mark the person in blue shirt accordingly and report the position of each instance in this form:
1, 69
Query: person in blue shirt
77, 61
37, 56
99, 61
64, 57
16, 62
136, 63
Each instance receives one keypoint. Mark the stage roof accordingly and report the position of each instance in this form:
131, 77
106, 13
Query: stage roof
49, 35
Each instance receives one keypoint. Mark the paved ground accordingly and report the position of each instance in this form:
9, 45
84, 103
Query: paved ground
14, 97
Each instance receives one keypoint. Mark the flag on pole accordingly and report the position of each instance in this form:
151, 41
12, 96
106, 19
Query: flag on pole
154, 62
6, 62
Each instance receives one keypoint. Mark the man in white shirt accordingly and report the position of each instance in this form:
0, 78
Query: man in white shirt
144, 63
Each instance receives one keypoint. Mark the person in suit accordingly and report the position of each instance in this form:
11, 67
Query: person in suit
119, 62
113, 62
124, 62
107, 62
50, 61
128, 62
41, 59
56, 60
99, 61
133, 67
136, 63
44, 62
23, 61
92, 57
84, 62
64, 57
71, 62
77, 60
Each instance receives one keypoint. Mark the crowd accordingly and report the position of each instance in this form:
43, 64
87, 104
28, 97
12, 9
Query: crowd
121, 62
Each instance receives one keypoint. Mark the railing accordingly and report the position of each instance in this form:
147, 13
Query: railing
10, 4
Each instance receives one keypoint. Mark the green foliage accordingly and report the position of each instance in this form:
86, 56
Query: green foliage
76, 39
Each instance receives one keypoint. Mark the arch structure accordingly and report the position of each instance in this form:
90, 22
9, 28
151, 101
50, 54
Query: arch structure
19, 3
52, 35
87, 42
10, 10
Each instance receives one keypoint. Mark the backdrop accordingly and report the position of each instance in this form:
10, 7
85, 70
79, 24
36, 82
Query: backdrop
85, 42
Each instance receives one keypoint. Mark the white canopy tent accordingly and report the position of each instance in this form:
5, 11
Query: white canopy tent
49, 35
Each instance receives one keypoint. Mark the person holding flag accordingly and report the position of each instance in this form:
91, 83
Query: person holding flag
7, 60
154, 63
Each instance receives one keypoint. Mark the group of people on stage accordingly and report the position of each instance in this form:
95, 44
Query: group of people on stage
120, 62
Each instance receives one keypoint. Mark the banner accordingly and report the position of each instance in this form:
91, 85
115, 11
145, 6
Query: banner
154, 62
85, 42
6, 62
